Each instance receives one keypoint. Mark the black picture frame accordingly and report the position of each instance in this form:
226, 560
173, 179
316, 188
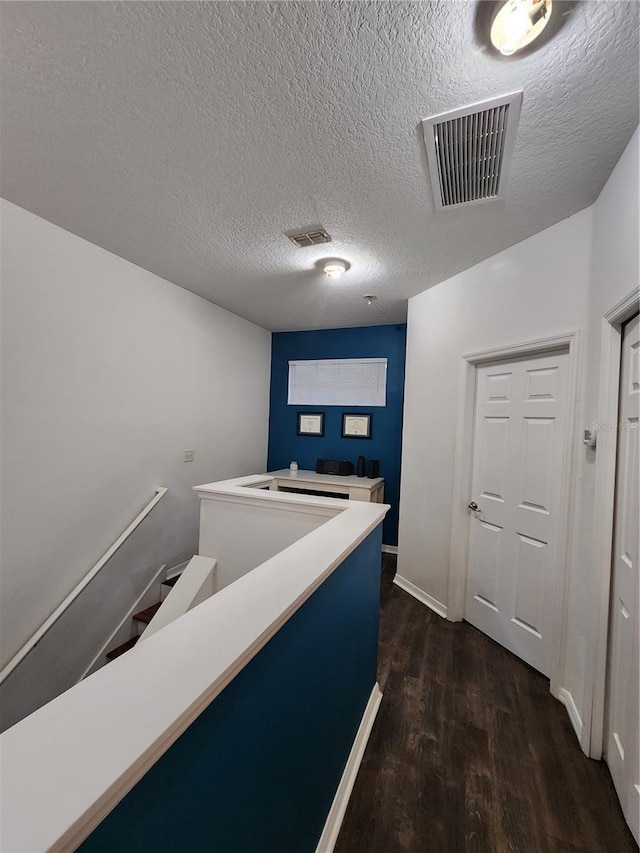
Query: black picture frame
356, 424
311, 424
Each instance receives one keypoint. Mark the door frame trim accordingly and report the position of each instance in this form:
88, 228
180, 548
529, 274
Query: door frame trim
603, 519
462, 477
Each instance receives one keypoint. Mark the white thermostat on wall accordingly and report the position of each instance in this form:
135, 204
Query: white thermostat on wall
589, 437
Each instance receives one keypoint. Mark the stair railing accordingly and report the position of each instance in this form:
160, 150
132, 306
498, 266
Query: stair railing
195, 585
35, 638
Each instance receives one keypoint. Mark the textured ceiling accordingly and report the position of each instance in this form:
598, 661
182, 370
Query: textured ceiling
187, 137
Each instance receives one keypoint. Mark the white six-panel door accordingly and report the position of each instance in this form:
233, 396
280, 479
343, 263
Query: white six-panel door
622, 745
520, 433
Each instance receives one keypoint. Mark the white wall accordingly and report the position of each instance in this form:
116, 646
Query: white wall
534, 289
274, 526
615, 271
562, 279
108, 373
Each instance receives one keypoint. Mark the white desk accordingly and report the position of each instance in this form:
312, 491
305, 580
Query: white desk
352, 487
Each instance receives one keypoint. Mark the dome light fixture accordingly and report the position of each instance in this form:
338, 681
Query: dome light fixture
334, 269
518, 23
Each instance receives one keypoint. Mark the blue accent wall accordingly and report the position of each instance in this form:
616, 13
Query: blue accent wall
258, 769
386, 442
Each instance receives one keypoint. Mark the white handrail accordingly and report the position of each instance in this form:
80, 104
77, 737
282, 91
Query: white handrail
75, 592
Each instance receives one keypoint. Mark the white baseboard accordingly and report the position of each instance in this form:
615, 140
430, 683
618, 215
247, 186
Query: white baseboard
341, 800
576, 720
176, 570
389, 549
424, 597
97, 661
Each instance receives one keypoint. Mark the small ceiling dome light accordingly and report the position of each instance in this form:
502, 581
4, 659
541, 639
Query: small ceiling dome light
518, 23
334, 269
370, 298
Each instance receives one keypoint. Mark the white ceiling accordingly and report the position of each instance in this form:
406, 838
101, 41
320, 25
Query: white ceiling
187, 137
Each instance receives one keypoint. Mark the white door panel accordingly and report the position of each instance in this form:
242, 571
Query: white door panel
518, 451
623, 706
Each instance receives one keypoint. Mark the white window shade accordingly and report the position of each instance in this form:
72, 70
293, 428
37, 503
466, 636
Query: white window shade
338, 382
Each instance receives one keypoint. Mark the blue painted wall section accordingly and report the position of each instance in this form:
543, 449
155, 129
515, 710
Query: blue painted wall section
386, 442
258, 770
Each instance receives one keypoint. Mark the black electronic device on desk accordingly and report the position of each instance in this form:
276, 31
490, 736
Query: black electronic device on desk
334, 466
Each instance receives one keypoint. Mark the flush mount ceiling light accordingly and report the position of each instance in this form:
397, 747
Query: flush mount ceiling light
518, 23
334, 269
370, 298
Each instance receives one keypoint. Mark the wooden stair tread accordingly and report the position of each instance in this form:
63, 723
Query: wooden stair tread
147, 614
120, 650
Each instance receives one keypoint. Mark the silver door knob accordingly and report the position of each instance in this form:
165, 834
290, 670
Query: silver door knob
473, 506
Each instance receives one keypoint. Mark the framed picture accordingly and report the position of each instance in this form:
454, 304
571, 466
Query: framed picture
356, 425
310, 423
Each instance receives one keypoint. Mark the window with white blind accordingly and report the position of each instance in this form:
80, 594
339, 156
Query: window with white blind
338, 382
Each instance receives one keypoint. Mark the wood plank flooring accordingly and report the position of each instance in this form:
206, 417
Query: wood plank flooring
470, 752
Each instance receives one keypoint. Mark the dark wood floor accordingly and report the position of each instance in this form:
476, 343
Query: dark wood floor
470, 752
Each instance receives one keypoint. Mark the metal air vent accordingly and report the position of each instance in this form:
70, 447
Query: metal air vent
309, 238
469, 151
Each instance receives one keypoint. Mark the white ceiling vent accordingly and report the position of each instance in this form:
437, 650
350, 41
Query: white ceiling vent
469, 150
313, 237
